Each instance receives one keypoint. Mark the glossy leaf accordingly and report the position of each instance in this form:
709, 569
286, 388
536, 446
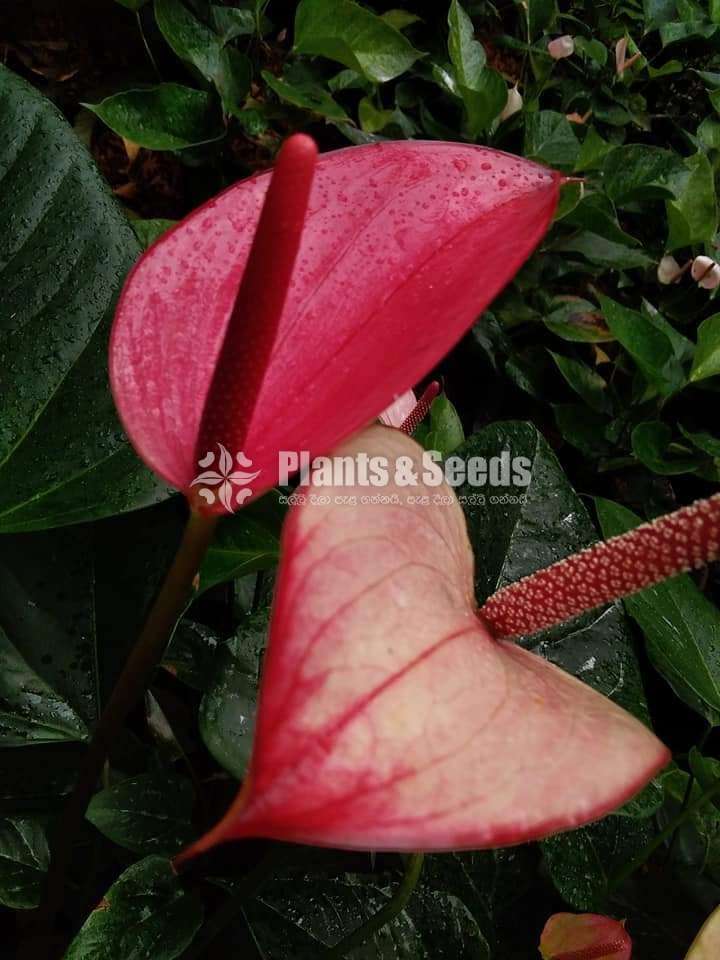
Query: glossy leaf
541, 15
706, 362
578, 321
439, 225
585, 382
636, 170
146, 912
651, 443
63, 458
227, 711
365, 645
148, 231
165, 117
224, 66
549, 137
681, 627
307, 95
354, 36
24, 859
149, 814
692, 215
483, 91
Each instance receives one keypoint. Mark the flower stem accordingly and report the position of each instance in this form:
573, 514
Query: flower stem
657, 841
146, 654
377, 921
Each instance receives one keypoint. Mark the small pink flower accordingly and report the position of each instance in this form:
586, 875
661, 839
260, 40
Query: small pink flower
706, 272
584, 936
561, 47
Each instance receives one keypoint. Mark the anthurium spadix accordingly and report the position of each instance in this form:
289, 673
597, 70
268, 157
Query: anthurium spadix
291, 331
391, 717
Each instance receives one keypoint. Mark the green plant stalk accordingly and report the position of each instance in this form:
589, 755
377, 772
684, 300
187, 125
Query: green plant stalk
169, 605
632, 865
377, 921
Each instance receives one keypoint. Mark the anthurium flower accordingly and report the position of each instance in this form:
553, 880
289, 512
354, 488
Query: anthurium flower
706, 946
291, 332
390, 715
407, 411
585, 936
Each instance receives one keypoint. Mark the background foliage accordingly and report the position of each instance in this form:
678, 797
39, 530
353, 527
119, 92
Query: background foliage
605, 378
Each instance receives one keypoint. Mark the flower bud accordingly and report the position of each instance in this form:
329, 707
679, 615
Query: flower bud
561, 47
513, 105
584, 936
668, 270
707, 273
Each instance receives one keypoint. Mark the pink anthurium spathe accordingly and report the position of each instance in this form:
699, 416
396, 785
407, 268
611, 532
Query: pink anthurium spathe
584, 936
291, 331
390, 717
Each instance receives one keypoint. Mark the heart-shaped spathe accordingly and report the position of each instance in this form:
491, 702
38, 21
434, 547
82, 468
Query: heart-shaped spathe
389, 716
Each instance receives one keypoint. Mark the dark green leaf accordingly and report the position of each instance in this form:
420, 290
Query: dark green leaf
400, 18
583, 429
350, 34
148, 231
579, 321
63, 457
245, 542
145, 913
483, 91
223, 65
445, 432
605, 253
593, 151
24, 859
308, 96
692, 216
166, 117
541, 16
650, 443
549, 137
651, 348
585, 382
132, 4
658, 12
637, 170
227, 711
149, 814
192, 654
232, 22
681, 627
707, 355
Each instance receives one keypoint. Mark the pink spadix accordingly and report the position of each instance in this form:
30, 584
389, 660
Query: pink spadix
390, 717
677, 542
292, 329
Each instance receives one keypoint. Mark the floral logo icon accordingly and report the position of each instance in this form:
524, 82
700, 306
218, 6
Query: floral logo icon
224, 479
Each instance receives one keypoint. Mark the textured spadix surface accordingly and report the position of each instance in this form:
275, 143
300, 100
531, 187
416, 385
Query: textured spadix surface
404, 245
389, 717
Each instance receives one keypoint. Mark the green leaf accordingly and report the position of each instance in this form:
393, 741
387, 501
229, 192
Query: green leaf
650, 443
549, 137
30, 710
227, 711
246, 542
445, 433
581, 862
681, 627
588, 384
400, 18
604, 252
223, 65
702, 440
521, 528
149, 814
63, 457
145, 913
483, 91
594, 49
132, 4
707, 355
638, 171
658, 12
709, 133
148, 231
192, 654
597, 214
578, 321
166, 117
24, 860
692, 216
307, 96
584, 429
651, 348
541, 15
593, 151
232, 22
371, 118
686, 30
350, 34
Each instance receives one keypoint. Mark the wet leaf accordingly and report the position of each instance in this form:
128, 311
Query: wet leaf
149, 814
63, 457
706, 362
24, 859
145, 913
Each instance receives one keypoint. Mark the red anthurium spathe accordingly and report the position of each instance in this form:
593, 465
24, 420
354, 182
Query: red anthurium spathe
584, 936
366, 267
390, 717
